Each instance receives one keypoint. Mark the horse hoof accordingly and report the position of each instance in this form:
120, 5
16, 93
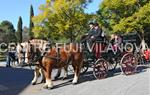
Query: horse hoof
43, 81
33, 83
64, 78
56, 78
74, 83
49, 88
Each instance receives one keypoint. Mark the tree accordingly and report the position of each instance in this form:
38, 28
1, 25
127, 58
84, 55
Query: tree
139, 21
2, 36
25, 34
7, 32
31, 25
19, 30
61, 19
114, 14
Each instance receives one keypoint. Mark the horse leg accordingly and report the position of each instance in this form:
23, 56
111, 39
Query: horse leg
75, 79
47, 73
42, 75
58, 74
19, 60
65, 72
77, 68
36, 75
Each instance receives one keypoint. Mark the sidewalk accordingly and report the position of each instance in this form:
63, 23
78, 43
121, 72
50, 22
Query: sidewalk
2, 64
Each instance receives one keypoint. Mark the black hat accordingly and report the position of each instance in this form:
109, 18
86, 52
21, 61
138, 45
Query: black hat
96, 24
91, 23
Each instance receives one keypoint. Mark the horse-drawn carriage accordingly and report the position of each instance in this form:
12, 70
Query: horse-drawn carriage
123, 57
107, 61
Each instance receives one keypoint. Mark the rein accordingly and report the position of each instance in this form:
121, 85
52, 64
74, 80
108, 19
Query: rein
54, 58
57, 59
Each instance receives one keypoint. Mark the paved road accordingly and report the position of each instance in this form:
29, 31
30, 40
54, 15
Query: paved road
16, 81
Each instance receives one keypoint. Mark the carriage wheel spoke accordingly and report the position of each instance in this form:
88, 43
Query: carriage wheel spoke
100, 69
128, 64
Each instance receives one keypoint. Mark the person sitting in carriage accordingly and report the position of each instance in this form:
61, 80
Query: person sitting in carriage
116, 42
94, 35
85, 38
99, 40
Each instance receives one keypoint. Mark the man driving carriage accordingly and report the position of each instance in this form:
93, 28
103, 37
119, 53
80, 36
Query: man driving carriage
95, 35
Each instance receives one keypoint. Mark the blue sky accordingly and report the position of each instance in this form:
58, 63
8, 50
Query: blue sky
11, 9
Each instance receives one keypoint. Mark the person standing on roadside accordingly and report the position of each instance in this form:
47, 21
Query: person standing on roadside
11, 55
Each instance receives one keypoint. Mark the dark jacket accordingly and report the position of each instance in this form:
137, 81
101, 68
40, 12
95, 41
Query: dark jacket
91, 33
98, 33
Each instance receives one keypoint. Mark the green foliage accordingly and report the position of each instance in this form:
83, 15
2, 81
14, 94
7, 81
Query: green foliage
137, 22
124, 15
7, 32
7, 26
25, 34
19, 30
61, 19
31, 25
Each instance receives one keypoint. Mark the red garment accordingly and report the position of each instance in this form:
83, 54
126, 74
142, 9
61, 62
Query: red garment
98, 49
147, 55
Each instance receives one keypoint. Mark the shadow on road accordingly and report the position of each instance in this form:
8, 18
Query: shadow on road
88, 76
15, 80
142, 68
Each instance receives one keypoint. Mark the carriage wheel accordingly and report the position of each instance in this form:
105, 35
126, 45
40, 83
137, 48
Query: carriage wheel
128, 64
100, 69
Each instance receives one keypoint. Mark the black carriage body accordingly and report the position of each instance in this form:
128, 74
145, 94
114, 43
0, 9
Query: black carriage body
133, 38
108, 60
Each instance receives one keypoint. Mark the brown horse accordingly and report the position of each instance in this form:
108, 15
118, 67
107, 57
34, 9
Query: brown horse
27, 51
59, 58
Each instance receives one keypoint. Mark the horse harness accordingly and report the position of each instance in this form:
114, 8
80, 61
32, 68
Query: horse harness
58, 58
